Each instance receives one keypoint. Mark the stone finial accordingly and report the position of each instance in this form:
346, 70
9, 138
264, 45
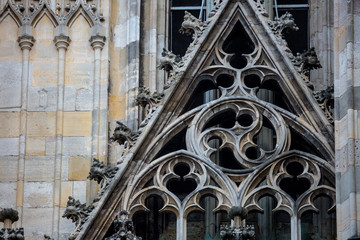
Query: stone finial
285, 23
78, 213
123, 228
236, 231
103, 175
8, 216
125, 136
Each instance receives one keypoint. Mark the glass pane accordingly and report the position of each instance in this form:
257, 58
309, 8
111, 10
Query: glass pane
154, 225
177, 3
297, 40
269, 225
320, 225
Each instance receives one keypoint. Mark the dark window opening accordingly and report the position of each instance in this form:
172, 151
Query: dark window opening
225, 119
176, 143
238, 43
300, 143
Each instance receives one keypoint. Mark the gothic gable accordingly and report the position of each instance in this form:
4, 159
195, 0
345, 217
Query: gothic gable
236, 120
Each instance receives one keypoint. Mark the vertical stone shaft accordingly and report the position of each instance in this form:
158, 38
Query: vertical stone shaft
26, 41
62, 42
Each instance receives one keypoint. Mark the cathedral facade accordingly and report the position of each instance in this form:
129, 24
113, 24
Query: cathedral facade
169, 119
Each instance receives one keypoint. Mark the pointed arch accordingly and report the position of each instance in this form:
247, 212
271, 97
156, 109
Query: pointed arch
8, 9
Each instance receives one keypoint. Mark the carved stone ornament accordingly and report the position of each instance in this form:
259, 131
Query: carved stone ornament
9, 214
28, 12
325, 98
123, 228
192, 26
103, 175
12, 234
260, 7
214, 10
285, 23
47, 237
307, 61
148, 102
78, 213
171, 63
236, 231
125, 136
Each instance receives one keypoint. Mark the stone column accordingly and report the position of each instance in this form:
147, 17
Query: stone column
26, 42
97, 41
62, 41
347, 117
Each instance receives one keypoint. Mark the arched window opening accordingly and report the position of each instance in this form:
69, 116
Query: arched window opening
206, 225
155, 225
321, 225
181, 187
176, 143
269, 224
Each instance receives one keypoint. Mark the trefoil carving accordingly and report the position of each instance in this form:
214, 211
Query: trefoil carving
123, 227
125, 136
78, 213
148, 102
103, 175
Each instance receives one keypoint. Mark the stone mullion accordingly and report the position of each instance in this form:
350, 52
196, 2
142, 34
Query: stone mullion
62, 41
26, 42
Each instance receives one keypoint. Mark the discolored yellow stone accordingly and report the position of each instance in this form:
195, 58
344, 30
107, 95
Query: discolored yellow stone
78, 168
41, 124
35, 146
77, 124
9, 124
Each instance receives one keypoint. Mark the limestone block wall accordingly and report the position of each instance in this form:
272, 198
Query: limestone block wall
54, 68
347, 117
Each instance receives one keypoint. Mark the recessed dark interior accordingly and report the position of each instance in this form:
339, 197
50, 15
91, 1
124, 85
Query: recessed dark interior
266, 137
205, 91
294, 168
225, 119
225, 80
294, 186
181, 187
215, 142
238, 43
252, 81
298, 142
181, 169
245, 120
175, 143
226, 159
252, 153
270, 91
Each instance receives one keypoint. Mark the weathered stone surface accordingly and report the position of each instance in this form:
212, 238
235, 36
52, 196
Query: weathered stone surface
38, 194
77, 124
9, 124
39, 168
9, 146
35, 146
8, 194
78, 168
41, 124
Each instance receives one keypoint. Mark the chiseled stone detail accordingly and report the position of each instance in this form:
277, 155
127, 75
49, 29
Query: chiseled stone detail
192, 26
78, 213
216, 7
47, 237
325, 98
149, 102
12, 234
285, 22
123, 226
237, 231
260, 7
125, 136
171, 63
103, 175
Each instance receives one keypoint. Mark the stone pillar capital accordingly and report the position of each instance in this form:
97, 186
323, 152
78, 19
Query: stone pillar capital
97, 39
26, 39
62, 41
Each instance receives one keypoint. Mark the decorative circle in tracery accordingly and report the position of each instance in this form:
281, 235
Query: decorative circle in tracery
233, 125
